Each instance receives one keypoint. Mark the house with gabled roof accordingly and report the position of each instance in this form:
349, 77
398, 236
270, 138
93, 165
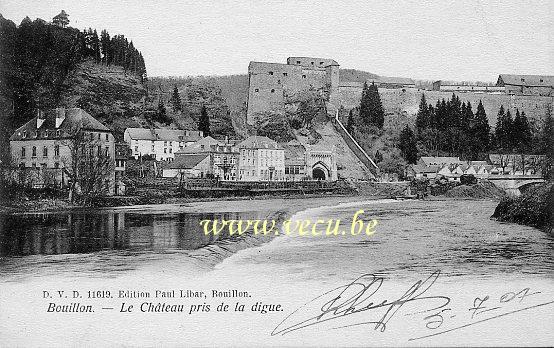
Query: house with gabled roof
159, 143
51, 140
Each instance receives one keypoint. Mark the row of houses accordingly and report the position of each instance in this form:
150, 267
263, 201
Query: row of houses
257, 158
453, 168
63, 142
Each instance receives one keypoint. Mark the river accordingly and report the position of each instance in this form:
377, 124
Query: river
143, 247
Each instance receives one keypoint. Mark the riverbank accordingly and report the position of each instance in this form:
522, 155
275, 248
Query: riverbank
533, 208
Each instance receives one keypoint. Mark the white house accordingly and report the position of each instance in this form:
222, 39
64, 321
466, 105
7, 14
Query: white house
261, 159
161, 144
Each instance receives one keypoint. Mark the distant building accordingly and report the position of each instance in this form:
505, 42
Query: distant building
189, 166
420, 171
222, 157
452, 87
48, 142
295, 161
392, 82
438, 161
122, 155
261, 159
541, 85
161, 144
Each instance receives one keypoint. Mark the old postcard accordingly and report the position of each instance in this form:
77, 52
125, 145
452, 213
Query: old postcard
276, 173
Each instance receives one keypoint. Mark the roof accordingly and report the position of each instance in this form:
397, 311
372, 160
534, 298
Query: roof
259, 142
439, 160
418, 168
525, 80
163, 134
75, 119
187, 161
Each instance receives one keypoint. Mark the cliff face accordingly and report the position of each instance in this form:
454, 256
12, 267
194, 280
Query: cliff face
533, 208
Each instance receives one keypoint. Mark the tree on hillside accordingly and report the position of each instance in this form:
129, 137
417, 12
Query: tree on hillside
204, 121
521, 136
371, 109
350, 122
503, 130
408, 145
176, 100
161, 114
105, 46
62, 19
96, 47
480, 130
378, 157
422, 118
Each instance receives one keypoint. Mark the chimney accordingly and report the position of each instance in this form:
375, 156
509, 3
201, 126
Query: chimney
60, 116
40, 118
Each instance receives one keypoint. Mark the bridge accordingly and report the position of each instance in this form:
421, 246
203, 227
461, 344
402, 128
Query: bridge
515, 184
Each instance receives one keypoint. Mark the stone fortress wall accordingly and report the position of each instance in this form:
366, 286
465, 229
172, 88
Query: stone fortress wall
271, 83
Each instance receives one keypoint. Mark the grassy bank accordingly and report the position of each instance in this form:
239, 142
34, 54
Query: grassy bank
533, 208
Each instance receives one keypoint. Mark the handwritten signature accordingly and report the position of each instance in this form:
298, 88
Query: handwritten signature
352, 304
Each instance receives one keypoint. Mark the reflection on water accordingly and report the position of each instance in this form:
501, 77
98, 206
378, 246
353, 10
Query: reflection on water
86, 232
456, 237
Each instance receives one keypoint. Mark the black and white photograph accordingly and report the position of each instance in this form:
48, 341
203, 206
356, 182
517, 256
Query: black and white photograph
240, 173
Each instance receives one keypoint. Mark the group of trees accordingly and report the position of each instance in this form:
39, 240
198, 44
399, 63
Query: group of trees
36, 58
117, 50
512, 134
452, 128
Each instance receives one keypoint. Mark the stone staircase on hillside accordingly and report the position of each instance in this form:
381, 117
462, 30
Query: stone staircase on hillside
348, 164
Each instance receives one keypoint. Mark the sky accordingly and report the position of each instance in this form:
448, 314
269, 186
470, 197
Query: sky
449, 40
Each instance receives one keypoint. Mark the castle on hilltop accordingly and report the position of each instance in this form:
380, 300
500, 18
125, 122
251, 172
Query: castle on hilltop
271, 83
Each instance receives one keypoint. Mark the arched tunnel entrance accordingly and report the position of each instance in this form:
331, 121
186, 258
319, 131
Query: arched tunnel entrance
319, 174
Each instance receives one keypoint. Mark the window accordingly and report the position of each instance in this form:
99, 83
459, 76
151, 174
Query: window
99, 152
98, 136
271, 73
257, 90
45, 134
57, 165
522, 80
165, 143
58, 133
107, 137
312, 63
285, 74
57, 150
320, 63
165, 150
34, 153
152, 148
45, 151
24, 134
170, 150
23, 152
297, 62
541, 80
272, 91
107, 151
